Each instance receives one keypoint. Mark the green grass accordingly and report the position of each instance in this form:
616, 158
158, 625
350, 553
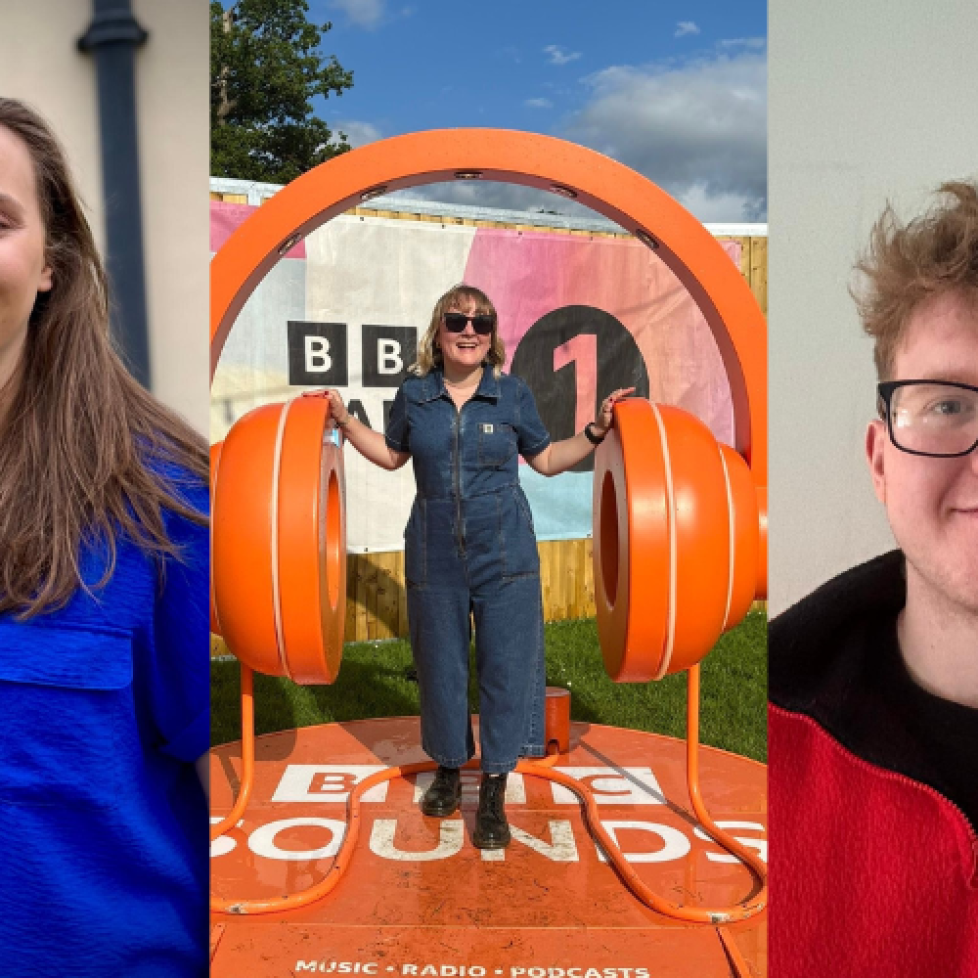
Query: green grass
373, 683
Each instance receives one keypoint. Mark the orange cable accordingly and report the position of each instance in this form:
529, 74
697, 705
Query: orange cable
247, 754
752, 859
541, 769
736, 958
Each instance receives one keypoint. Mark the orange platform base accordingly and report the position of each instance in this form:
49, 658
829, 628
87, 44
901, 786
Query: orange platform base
419, 901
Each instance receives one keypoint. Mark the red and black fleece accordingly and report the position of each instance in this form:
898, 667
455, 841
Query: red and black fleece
873, 791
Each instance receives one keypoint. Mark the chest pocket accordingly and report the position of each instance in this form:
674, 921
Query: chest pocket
497, 444
66, 714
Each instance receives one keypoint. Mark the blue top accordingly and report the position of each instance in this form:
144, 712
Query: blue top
104, 706
484, 436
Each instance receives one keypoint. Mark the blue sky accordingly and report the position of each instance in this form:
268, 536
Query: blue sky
675, 90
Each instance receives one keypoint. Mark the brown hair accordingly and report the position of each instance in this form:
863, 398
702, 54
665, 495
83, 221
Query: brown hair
83, 446
429, 355
907, 264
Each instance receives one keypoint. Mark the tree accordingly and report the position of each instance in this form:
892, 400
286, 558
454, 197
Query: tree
266, 68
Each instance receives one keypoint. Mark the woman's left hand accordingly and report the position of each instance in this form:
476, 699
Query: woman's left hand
605, 417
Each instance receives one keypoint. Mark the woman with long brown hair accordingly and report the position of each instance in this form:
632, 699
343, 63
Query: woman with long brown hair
104, 703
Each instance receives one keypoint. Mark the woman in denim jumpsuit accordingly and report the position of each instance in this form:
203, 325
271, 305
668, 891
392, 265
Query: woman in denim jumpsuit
470, 547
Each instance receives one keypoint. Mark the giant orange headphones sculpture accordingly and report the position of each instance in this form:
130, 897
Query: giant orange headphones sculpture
679, 520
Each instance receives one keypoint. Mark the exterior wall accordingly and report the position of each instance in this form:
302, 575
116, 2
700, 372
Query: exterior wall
868, 101
174, 113
40, 63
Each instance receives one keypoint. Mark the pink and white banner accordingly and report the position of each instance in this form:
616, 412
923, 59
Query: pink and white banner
579, 317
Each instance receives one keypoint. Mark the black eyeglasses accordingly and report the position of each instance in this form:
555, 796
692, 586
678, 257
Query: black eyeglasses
937, 418
481, 323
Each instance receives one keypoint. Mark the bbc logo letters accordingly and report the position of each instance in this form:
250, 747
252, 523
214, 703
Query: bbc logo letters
319, 354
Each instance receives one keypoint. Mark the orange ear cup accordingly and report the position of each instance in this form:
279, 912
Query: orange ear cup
631, 533
215, 466
745, 538
675, 541
762, 542
279, 541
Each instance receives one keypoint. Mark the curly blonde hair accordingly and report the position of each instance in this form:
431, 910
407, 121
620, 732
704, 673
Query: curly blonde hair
456, 298
906, 264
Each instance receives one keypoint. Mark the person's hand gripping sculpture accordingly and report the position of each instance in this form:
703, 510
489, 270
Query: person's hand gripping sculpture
369, 443
560, 456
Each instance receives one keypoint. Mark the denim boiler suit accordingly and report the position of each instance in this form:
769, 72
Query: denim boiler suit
469, 546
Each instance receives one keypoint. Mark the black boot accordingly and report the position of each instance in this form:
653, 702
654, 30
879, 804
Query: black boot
491, 830
444, 793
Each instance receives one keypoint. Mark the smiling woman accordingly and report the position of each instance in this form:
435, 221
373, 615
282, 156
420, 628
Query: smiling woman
470, 548
24, 272
103, 616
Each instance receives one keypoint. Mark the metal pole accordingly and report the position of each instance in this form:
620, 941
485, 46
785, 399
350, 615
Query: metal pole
113, 37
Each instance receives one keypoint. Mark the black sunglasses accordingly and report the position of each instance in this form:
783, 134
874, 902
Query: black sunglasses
481, 323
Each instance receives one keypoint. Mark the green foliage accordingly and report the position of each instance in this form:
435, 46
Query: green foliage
265, 70
373, 682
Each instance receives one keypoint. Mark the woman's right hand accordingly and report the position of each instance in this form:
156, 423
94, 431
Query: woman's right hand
372, 445
338, 414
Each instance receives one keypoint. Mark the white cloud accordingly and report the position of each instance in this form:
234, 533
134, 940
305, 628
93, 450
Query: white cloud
558, 56
698, 130
538, 103
358, 133
363, 13
505, 196
746, 43
685, 27
718, 208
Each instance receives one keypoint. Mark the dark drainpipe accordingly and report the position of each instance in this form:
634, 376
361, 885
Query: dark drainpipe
113, 37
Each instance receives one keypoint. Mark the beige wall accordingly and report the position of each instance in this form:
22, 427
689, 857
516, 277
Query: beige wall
869, 101
40, 63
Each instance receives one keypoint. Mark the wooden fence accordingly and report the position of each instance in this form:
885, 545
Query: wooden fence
376, 605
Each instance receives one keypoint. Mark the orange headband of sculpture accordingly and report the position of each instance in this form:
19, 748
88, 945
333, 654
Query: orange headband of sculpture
596, 181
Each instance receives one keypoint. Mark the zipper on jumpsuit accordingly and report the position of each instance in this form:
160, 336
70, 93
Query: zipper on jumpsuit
457, 480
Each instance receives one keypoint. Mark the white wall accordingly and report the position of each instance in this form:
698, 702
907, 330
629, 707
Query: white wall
173, 84
40, 63
869, 100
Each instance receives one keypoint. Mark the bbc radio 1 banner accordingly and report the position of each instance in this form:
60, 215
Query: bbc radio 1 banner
579, 317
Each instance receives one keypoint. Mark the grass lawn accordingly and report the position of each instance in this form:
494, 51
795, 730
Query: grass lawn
373, 683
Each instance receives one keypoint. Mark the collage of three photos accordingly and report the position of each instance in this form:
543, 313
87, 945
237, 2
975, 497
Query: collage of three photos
560, 557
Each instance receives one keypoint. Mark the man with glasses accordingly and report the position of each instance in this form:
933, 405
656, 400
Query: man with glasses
874, 677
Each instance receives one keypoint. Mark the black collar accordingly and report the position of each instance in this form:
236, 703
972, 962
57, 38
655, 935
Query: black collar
810, 644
